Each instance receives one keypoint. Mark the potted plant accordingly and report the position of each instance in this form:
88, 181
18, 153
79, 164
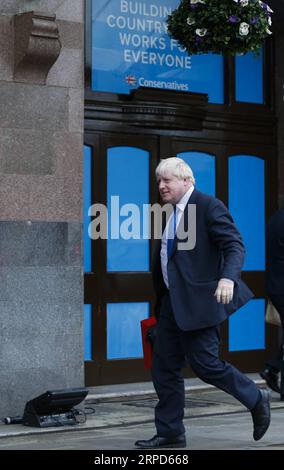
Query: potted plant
220, 26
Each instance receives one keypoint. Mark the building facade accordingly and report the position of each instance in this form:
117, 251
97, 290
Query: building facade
71, 306
145, 99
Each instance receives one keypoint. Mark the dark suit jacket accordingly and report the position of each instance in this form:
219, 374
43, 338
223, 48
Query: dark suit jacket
275, 254
194, 274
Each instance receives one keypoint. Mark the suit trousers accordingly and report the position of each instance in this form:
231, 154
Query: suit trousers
200, 348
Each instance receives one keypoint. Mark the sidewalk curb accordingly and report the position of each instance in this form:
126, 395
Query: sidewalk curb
117, 396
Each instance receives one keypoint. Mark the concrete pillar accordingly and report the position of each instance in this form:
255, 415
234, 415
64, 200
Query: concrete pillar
41, 167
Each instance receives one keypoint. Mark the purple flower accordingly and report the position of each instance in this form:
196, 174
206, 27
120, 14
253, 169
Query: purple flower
198, 40
233, 19
194, 6
254, 20
265, 6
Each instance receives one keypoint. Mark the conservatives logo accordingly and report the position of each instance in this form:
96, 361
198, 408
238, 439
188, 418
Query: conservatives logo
130, 80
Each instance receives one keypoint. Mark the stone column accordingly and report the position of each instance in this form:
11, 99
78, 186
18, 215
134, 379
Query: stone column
41, 167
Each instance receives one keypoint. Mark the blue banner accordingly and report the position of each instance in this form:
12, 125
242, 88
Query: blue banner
131, 48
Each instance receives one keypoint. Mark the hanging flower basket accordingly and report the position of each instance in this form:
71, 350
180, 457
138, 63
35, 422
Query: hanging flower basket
220, 26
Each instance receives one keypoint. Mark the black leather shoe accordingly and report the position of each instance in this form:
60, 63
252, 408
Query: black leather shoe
157, 441
261, 415
271, 378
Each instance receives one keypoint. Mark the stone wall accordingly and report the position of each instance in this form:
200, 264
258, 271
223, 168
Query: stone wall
41, 165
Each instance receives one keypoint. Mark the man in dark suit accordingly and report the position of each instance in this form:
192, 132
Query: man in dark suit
275, 290
197, 288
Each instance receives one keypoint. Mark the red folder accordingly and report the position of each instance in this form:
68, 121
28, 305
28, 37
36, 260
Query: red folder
147, 347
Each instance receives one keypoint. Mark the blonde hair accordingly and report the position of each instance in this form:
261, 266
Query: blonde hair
175, 166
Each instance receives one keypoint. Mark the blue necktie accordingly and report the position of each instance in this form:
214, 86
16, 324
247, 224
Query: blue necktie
171, 233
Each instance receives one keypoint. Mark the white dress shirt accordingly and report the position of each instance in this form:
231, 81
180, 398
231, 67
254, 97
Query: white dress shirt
180, 206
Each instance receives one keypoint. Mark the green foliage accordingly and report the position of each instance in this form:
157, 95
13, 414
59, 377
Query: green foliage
220, 26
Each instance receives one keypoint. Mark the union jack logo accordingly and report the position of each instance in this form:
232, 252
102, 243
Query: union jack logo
130, 80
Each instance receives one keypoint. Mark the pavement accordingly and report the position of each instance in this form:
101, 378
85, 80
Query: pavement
118, 415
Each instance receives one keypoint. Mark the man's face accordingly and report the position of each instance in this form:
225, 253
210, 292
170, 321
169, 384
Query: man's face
172, 188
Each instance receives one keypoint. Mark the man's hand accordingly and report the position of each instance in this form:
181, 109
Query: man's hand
224, 291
